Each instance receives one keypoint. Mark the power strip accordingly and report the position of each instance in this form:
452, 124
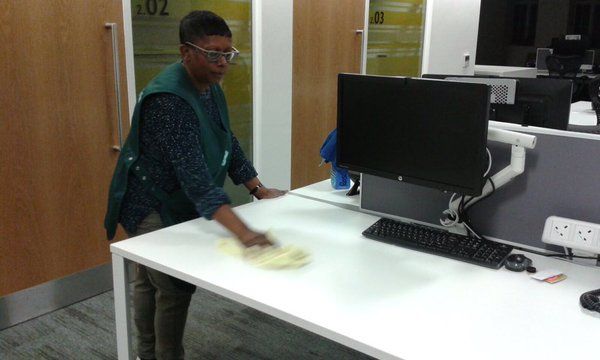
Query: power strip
572, 233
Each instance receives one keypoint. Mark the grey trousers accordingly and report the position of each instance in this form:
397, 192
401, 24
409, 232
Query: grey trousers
160, 305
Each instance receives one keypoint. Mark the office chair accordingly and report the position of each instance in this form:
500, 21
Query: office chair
567, 67
564, 66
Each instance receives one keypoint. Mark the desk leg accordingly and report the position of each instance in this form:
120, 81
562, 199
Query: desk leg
122, 312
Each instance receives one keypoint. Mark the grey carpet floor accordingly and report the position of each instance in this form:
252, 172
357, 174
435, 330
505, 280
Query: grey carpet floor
217, 328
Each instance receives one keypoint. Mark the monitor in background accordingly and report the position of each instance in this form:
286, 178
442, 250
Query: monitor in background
542, 102
424, 132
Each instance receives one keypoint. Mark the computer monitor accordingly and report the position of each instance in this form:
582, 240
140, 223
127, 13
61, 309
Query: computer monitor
425, 132
542, 102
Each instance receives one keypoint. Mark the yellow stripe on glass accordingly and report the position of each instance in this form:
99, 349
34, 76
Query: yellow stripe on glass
395, 37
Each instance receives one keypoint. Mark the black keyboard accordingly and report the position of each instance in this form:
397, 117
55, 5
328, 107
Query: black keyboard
440, 242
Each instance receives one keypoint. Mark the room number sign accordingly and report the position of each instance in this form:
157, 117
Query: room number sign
152, 7
377, 18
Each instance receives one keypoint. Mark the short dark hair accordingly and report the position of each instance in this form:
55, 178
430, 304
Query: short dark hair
201, 23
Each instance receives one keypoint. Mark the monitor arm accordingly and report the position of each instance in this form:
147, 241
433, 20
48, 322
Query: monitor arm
518, 142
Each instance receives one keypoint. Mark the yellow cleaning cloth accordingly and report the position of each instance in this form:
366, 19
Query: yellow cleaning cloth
269, 257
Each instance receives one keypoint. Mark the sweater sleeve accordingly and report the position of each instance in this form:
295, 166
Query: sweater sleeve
175, 130
240, 169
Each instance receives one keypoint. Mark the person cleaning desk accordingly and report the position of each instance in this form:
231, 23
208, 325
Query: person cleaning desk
172, 169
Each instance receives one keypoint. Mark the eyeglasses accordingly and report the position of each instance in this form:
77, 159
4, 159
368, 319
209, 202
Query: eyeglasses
215, 56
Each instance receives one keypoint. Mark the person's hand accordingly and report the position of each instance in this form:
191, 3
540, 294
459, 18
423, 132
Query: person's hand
255, 239
267, 193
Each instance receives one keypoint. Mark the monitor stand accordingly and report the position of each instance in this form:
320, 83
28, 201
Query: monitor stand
519, 142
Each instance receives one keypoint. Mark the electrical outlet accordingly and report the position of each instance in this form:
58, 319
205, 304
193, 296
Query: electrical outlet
467, 60
560, 230
586, 236
574, 234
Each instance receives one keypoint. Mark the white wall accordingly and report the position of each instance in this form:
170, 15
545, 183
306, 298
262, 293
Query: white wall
272, 89
450, 31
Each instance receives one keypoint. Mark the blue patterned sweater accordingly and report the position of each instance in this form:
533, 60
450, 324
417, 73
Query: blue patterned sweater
170, 148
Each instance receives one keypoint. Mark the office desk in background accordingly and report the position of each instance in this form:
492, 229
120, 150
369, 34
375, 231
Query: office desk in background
546, 73
383, 300
582, 114
517, 71
323, 191
505, 71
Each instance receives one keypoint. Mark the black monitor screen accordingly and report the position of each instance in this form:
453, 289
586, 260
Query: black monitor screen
542, 102
425, 132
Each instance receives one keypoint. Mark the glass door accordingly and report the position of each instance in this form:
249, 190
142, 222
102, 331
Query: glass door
395, 39
156, 44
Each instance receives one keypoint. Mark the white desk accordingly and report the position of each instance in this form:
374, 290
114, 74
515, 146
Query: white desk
505, 71
383, 300
322, 191
546, 73
582, 114
518, 71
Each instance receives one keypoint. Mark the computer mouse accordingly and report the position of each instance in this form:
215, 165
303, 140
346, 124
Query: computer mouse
517, 262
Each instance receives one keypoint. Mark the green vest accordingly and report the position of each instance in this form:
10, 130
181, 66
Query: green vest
215, 142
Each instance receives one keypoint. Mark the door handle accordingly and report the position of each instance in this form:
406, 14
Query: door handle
115, 52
